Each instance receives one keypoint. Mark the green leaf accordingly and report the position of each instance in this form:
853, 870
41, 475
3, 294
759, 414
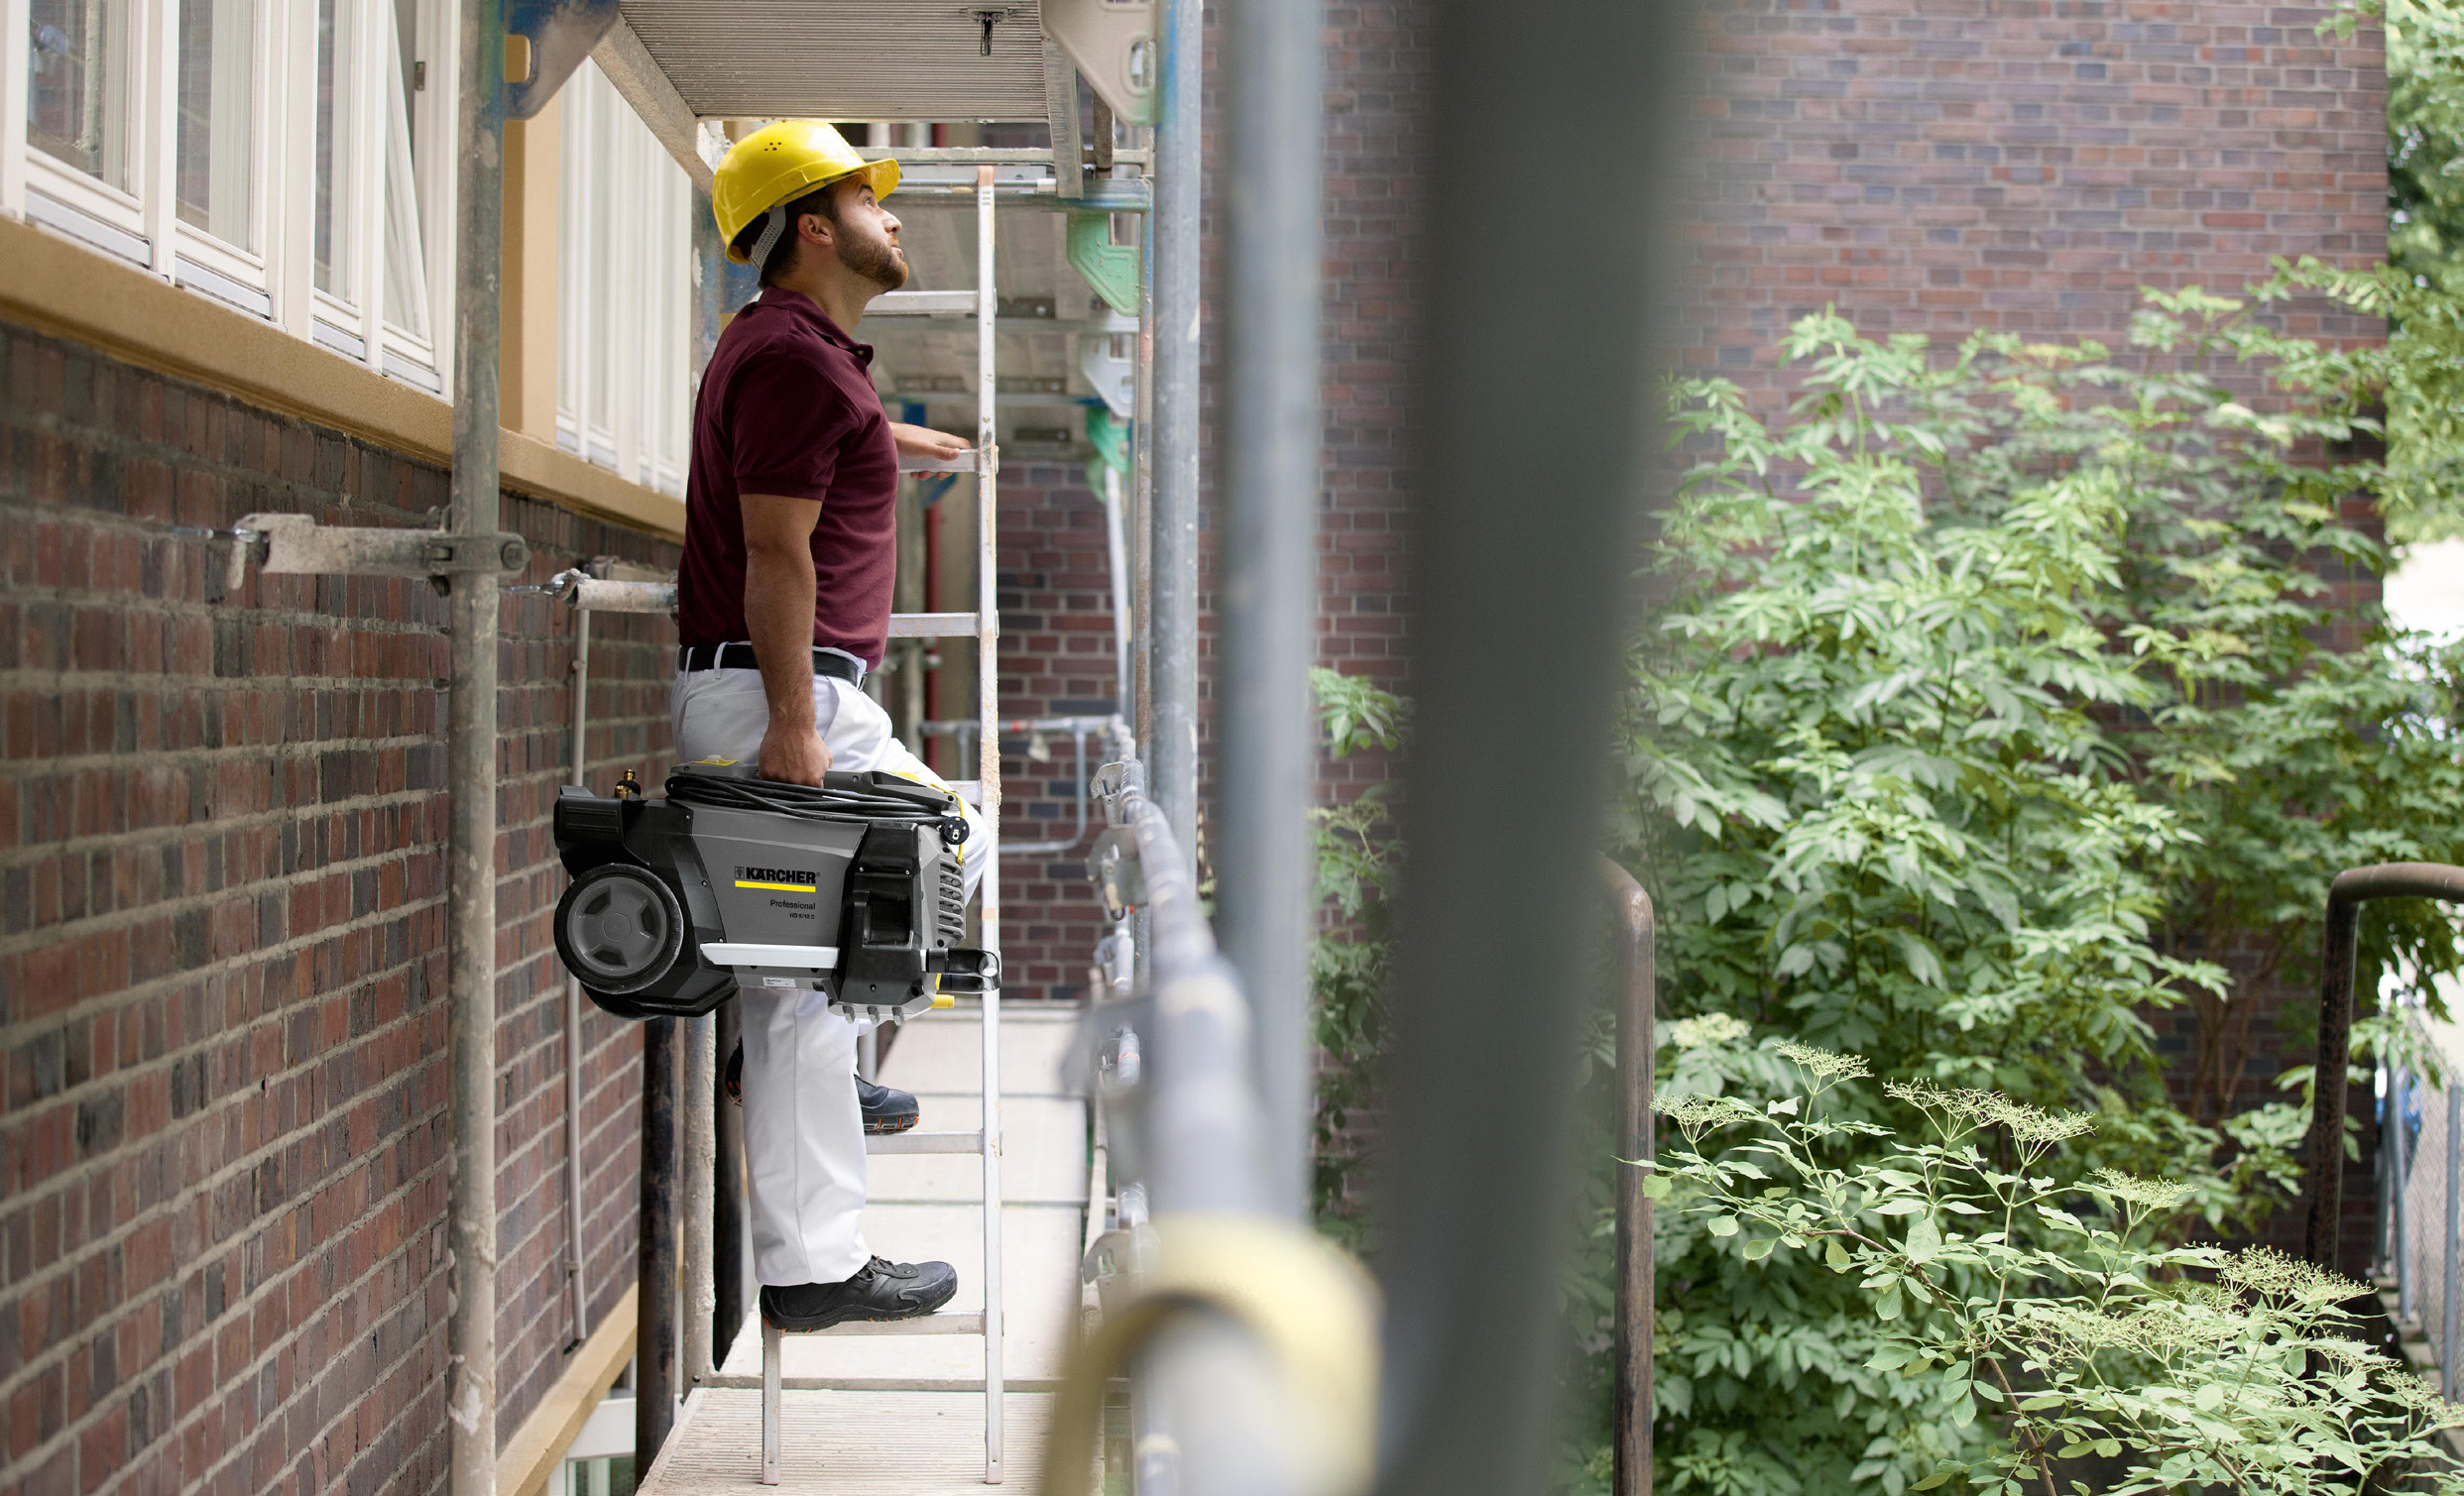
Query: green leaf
1887, 1306
1938, 1476
1902, 1206
1723, 1225
1925, 1243
1760, 1247
1836, 1255
1654, 1187
2210, 1397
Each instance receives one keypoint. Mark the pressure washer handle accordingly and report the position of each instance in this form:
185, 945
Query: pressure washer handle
963, 968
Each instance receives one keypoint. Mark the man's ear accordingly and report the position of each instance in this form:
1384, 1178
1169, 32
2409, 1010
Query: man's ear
813, 228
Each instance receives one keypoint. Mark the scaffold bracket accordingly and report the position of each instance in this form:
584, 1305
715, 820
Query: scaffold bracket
295, 544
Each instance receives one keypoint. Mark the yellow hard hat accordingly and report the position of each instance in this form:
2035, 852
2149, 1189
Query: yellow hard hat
780, 162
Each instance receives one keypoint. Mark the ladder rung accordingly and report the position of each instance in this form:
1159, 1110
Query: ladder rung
964, 462
926, 1325
931, 624
925, 1142
922, 304
973, 155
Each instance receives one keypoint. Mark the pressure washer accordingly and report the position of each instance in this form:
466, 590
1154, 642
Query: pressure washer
852, 887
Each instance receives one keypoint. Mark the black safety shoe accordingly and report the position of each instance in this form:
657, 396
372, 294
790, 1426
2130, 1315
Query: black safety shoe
885, 1110
882, 1290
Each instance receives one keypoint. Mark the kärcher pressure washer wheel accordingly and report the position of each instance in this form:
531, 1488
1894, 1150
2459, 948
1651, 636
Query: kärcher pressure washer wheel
620, 929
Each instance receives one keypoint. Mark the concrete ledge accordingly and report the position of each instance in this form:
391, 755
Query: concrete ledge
55, 286
531, 1456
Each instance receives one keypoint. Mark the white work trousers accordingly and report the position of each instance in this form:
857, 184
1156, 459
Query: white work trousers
803, 1131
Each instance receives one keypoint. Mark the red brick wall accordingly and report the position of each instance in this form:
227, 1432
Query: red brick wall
2025, 165
1376, 64
222, 1135
1056, 600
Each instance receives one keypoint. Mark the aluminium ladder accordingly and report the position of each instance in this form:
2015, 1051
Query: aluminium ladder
986, 793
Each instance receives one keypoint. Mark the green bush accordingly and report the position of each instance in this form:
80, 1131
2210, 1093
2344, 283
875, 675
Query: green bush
1998, 693
1357, 858
2041, 1308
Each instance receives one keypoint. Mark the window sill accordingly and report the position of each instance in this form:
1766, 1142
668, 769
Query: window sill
60, 286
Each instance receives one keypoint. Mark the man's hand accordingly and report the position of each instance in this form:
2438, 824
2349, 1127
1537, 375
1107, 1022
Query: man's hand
924, 441
793, 754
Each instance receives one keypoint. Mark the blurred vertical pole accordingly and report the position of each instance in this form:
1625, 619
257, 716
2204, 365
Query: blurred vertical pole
2403, 1149
699, 1214
727, 1224
1632, 938
577, 1289
654, 1342
2455, 1240
1173, 751
1530, 434
1264, 738
472, 748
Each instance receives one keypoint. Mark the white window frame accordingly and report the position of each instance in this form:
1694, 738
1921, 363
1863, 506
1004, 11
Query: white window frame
624, 307
276, 279
624, 310
153, 75
245, 271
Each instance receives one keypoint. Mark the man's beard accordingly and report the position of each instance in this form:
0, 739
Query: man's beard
877, 261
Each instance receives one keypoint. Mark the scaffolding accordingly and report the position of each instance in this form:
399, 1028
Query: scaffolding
1218, 1120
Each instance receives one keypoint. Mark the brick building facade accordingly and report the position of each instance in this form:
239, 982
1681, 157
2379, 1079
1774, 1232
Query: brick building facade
223, 1150
2021, 165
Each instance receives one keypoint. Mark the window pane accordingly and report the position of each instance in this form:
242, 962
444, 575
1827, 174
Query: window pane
334, 46
406, 258
598, 268
78, 94
218, 125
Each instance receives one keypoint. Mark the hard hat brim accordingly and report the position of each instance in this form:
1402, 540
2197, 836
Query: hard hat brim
880, 175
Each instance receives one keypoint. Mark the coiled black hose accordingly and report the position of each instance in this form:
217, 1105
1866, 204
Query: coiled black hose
857, 799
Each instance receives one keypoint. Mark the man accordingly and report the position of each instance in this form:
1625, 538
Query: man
783, 605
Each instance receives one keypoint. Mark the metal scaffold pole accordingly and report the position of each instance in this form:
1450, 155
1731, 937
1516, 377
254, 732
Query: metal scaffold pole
1530, 437
471, 750
1263, 721
989, 786
1175, 581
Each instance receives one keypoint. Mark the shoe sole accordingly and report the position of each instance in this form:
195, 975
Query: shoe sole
803, 1325
873, 1126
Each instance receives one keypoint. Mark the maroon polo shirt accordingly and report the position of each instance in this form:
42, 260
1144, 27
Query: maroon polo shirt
787, 407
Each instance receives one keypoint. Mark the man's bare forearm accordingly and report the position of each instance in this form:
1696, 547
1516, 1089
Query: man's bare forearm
778, 612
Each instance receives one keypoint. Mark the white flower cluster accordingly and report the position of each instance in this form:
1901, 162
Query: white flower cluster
1991, 1109
1827, 1064
1707, 1030
2146, 1194
1697, 1114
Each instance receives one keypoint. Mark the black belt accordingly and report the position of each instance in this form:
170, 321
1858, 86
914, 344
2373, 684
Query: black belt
738, 655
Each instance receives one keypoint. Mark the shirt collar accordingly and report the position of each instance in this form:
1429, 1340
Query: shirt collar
808, 311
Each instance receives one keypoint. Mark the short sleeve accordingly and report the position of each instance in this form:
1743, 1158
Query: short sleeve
786, 420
